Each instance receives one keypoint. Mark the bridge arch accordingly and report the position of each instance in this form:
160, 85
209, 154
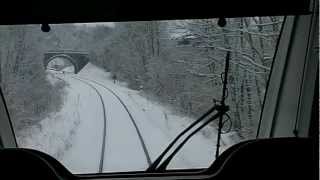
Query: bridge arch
77, 58
67, 57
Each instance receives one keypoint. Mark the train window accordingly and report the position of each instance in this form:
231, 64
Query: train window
110, 97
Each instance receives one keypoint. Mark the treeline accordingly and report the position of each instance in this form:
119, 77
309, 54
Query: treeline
29, 95
180, 62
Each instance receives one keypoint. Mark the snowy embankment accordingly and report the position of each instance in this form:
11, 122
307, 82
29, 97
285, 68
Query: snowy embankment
73, 135
54, 134
159, 125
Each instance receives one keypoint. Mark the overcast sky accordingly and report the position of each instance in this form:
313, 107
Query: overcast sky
109, 24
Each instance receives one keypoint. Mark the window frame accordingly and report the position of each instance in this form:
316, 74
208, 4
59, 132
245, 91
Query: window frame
288, 101
8, 138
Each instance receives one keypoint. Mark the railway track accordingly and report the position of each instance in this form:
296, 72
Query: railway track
145, 150
100, 170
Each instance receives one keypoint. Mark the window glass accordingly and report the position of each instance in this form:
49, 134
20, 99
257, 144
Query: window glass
109, 97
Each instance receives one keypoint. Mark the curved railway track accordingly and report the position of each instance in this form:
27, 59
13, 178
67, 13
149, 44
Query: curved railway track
145, 150
86, 81
104, 124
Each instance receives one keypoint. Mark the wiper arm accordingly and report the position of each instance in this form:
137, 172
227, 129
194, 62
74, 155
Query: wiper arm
221, 111
154, 165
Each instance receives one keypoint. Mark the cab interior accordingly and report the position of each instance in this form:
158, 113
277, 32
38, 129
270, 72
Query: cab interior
282, 149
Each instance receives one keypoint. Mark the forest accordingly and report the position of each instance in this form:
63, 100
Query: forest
177, 63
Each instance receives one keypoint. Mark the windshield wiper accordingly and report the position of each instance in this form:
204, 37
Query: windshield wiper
221, 111
154, 165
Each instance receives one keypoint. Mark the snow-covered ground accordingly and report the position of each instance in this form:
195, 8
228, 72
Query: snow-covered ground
160, 125
55, 133
74, 135
77, 126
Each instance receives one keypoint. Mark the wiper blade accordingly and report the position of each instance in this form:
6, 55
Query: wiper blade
154, 165
221, 111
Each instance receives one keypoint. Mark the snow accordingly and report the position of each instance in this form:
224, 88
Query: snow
84, 155
68, 69
123, 150
55, 133
160, 125
74, 135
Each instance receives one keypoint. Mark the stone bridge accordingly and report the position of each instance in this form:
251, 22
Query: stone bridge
78, 58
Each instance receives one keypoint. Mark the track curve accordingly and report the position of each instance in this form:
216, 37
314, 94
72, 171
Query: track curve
148, 159
104, 124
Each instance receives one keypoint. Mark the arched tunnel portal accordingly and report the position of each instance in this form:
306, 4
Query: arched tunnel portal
77, 58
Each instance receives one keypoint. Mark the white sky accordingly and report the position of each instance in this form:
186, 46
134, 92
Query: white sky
109, 24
